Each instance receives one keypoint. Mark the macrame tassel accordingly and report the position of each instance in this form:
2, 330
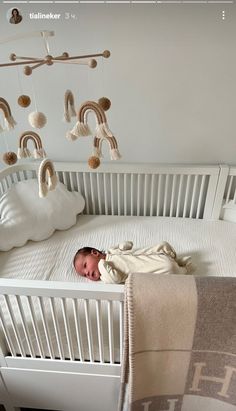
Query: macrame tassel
9, 123
23, 152
71, 136
115, 154
79, 130
39, 153
102, 130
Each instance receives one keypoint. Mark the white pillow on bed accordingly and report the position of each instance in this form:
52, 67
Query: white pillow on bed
25, 216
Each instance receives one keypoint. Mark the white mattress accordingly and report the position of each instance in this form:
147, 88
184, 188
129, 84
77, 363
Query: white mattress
212, 245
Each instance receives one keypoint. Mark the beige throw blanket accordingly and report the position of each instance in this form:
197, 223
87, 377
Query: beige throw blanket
180, 343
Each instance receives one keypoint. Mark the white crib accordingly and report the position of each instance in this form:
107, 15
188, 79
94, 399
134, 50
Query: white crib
91, 382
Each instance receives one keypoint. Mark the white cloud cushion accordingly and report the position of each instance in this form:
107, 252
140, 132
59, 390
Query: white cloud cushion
25, 216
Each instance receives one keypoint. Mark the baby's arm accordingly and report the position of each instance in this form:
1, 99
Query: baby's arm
109, 274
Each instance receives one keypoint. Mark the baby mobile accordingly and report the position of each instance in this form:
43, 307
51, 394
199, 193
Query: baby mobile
37, 119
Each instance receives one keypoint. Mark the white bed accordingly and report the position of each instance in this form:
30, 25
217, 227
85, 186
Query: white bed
145, 204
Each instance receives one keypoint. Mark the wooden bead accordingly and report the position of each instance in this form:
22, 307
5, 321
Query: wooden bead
27, 70
106, 54
94, 162
10, 158
105, 103
12, 57
24, 101
92, 63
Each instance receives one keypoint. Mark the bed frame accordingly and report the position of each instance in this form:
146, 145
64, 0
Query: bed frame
85, 384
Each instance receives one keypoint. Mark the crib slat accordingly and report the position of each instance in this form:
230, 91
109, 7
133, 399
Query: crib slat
152, 195
110, 331
166, 194
45, 326
121, 323
78, 329
132, 195
89, 330
6, 334
14, 325
99, 328
200, 196
229, 189
125, 194
86, 193
56, 327
24, 326
159, 194
118, 194
105, 193
92, 193
35, 327
173, 193
99, 194
71, 181
186, 196
67, 328
193, 196
145, 195
138, 194
112, 197
179, 195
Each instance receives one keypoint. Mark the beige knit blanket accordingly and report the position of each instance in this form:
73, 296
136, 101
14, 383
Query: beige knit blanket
180, 343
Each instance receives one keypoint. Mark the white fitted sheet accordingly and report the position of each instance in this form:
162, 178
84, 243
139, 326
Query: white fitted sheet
212, 245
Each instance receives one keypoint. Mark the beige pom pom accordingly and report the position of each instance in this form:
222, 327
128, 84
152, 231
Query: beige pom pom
93, 162
105, 103
10, 158
24, 101
37, 119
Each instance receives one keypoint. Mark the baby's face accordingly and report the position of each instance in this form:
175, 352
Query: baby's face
87, 265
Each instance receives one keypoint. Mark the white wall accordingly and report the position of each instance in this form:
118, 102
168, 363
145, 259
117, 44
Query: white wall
170, 77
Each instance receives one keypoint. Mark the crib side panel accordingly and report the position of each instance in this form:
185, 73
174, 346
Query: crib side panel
134, 189
61, 321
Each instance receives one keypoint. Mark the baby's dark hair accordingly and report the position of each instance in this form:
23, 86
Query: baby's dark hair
84, 251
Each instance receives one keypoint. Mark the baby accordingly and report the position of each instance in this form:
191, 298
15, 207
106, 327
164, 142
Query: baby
117, 263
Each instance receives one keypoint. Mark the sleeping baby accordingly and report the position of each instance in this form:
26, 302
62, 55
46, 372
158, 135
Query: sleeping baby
117, 263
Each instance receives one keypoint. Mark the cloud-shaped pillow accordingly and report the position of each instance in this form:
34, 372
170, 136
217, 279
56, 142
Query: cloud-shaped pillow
25, 216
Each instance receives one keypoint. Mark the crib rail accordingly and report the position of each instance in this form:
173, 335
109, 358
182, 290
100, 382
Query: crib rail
62, 321
133, 190
230, 187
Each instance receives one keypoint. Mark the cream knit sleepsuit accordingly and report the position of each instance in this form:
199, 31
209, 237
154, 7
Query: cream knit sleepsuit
122, 260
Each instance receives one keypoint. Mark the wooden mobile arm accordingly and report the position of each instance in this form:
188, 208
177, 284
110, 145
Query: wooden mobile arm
49, 60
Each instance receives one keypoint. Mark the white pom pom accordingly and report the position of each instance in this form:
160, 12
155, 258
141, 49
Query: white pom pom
37, 119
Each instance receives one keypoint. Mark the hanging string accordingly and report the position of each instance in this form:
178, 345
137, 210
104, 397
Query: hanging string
33, 92
19, 80
46, 43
